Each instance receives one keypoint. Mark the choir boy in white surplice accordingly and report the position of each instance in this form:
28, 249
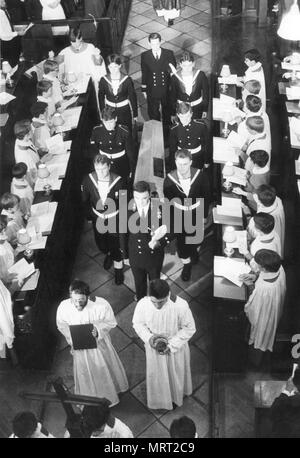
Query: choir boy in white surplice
265, 305
268, 202
165, 324
255, 71
97, 371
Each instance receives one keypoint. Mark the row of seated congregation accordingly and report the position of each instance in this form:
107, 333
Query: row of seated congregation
189, 168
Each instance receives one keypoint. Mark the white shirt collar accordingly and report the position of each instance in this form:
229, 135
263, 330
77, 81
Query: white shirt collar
143, 209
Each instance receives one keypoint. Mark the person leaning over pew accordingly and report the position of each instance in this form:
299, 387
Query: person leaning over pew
268, 202
265, 304
258, 173
45, 94
42, 131
253, 107
21, 187
255, 71
51, 71
10, 207
265, 238
256, 139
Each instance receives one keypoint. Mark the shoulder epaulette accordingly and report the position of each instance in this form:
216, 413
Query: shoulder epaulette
175, 125
123, 128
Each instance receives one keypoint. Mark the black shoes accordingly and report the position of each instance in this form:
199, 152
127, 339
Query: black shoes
107, 262
170, 22
119, 276
186, 272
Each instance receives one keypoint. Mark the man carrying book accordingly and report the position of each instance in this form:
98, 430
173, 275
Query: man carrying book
97, 368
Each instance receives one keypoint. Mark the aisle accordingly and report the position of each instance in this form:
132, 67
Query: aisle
193, 32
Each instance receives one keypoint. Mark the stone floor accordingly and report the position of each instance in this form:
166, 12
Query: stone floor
191, 31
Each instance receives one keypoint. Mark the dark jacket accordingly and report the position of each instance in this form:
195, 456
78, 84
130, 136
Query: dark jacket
135, 246
156, 73
192, 136
91, 197
126, 91
200, 89
200, 187
285, 416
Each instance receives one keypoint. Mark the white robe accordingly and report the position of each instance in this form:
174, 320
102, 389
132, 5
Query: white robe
264, 242
257, 73
168, 377
98, 371
6, 320
26, 152
277, 211
22, 189
6, 259
264, 308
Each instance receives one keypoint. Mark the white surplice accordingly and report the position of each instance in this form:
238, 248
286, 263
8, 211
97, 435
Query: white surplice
26, 152
264, 308
168, 377
98, 371
277, 211
6, 320
257, 73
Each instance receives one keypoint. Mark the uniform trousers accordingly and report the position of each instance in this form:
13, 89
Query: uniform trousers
108, 243
140, 275
154, 109
185, 250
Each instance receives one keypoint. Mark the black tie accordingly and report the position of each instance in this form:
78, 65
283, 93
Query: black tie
9, 19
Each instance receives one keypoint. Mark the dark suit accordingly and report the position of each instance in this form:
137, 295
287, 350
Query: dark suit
156, 83
144, 261
285, 416
94, 208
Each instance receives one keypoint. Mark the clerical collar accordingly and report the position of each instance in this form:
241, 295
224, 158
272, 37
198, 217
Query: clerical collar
267, 237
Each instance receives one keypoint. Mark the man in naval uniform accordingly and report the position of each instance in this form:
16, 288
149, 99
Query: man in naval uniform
187, 182
190, 134
144, 248
114, 141
156, 80
97, 188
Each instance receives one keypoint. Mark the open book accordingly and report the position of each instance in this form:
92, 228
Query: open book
230, 269
22, 268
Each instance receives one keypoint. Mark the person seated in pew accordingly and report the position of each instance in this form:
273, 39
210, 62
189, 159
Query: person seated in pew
25, 151
42, 131
256, 139
258, 174
51, 71
266, 238
285, 410
10, 207
189, 85
253, 107
45, 94
7, 256
252, 87
255, 71
82, 58
21, 187
264, 306
268, 202
190, 134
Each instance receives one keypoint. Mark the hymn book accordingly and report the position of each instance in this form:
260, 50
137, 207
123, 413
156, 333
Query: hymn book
82, 337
